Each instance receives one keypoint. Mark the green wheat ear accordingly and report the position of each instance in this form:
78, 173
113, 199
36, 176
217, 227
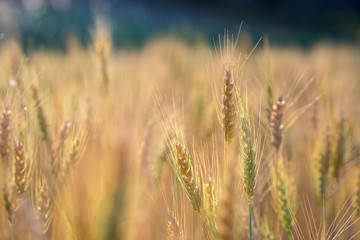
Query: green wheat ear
269, 99
40, 114
338, 155
323, 157
248, 158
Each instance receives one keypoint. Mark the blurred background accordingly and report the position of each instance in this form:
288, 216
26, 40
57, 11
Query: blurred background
50, 23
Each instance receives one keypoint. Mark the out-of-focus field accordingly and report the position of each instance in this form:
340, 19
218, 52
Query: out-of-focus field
97, 128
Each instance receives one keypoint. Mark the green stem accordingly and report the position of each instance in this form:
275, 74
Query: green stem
250, 225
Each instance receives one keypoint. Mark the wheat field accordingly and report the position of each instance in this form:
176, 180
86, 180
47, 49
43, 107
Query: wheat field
237, 140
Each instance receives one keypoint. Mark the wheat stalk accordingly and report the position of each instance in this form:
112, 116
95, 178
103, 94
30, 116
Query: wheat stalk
103, 49
226, 214
147, 165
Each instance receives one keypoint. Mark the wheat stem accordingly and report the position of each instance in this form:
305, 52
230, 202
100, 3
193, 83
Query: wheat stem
250, 225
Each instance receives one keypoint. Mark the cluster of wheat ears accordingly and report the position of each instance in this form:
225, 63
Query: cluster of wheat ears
169, 143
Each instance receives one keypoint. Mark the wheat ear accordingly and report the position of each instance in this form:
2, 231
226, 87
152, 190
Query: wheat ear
173, 226
43, 204
269, 99
40, 115
103, 48
187, 177
249, 164
248, 158
9, 205
4, 134
20, 176
73, 156
228, 107
339, 150
59, 152
284, 199
209, 190
276, 126
323, 164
